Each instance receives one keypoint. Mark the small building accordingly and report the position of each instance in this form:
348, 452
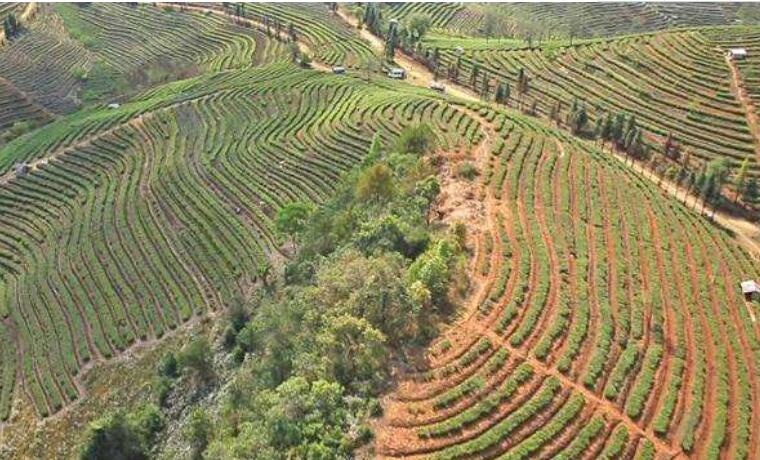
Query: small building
21, 169
113, 105
397, 73
750, 289
737, 53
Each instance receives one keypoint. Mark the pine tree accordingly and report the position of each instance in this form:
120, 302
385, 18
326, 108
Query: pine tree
553, 113
486, 86
630, 125
10, 26
630, 140
599, 129
474, 74
578, 118
522, 84
499, 95
391, 41
669, 145
571, 113
750, 192
741, 178
618, 130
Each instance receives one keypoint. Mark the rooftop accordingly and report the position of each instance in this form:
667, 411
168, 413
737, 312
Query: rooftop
749, 287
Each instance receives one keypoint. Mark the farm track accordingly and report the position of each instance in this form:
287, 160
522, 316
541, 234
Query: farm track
740, 90
747, 233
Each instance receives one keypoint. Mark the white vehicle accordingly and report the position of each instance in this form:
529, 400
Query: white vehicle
338, 70
397, 73
435, 86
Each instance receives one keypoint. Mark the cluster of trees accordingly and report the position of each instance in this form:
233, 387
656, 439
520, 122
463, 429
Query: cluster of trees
708, 183
309, 355
624, 134
503, 90
273, 26
406, 35
372, 18
11, 26
370, 278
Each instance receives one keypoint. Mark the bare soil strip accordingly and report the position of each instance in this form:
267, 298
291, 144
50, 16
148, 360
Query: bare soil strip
737, 85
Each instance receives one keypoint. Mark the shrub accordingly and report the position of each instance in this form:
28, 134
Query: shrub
196, 358
80, 73
168, 366
375, 184
416, 139
292, 218
198, 432
467, 170
121, 437
164, 386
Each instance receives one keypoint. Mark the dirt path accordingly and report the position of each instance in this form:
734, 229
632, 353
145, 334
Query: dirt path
746, 232
419, 75
738, 87
555, 279
606, 407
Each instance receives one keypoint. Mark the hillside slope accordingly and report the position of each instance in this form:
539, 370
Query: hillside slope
71, 55
133, 221
606, 320
580, 19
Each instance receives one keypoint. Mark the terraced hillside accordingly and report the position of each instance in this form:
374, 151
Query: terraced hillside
7, 8
69, 55
134, 221
747, 76
675, 83
606, 320
580, 19
328, 39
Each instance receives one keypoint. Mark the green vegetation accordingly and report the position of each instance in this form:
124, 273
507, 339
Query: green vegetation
71, 55
319, 232
321, 339
118, 436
